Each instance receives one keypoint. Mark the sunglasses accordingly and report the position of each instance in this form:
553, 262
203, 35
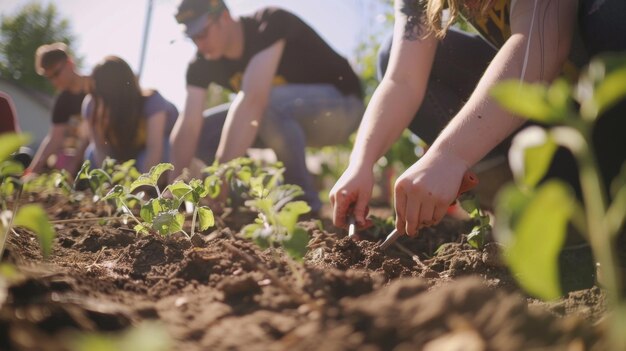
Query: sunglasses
57, 71
205, 31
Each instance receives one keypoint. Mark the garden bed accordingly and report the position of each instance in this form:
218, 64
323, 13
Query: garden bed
222, 292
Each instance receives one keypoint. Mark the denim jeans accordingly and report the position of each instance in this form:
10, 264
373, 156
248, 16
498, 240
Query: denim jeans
297, 116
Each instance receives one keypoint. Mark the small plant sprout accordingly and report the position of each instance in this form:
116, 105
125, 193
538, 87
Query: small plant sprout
30, 216
478, 236
56, 182
95, 179
161, 214
532, 218
193, 193
278, 217
237, 175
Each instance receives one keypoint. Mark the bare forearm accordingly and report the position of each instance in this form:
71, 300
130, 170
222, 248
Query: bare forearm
388, 114
48, 147
184, 140
533, 53
482, 124
240, 129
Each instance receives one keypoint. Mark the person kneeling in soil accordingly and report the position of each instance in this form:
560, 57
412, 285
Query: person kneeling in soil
66, 137
125, 121
437, 83
292, 89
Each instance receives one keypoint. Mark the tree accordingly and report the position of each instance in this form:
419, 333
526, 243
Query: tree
20, 36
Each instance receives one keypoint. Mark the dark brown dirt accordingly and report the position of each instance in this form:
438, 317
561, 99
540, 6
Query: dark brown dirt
221, 292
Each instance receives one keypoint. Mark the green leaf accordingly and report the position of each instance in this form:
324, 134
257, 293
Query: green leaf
97, 178
537, 160
560, 97
141, 229
117, 192
610, 90
213, 186
258, 233
156, 171
527, 100
198, 188
143, 179
11, 168
11, 142
33, 217
477, 237
262, 205
83, 173
296, 244
539, 232
155, 206
205, 217
179, 189
169, 222
7, 188
530, 155
288, 215
151, 178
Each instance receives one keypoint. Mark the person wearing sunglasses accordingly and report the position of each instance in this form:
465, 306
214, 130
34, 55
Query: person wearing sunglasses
293, 90
65, 139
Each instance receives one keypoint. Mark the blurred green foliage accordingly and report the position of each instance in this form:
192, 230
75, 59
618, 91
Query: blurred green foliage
22, 33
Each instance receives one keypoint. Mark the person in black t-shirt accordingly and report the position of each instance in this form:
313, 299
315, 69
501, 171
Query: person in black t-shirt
292, 89
53, 62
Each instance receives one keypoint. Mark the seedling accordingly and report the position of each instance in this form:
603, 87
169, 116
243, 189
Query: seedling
278, 217
161, 214
478, 236
30, 216
56, 181
95, 179
237, 175
532, 217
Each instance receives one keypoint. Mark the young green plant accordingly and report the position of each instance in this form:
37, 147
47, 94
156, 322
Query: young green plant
30, 216
162, 214
278, 218
532, 218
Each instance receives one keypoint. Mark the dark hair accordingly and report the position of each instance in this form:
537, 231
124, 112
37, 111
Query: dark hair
117, 106
48, 55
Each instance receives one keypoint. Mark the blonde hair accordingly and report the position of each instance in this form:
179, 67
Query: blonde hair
434, 13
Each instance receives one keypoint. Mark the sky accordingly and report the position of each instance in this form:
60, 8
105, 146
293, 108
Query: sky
116, 27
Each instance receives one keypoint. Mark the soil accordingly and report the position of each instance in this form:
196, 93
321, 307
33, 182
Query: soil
221, 292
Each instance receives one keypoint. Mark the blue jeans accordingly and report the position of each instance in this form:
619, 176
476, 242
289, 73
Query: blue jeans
297, 116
